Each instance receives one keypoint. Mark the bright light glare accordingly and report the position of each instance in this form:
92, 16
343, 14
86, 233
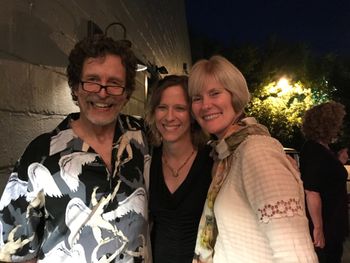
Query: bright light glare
283, 83
283, 86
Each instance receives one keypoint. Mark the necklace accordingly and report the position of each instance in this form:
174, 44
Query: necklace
175, 172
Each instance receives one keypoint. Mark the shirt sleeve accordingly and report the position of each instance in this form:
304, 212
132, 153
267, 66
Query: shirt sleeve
275, 193
21, 216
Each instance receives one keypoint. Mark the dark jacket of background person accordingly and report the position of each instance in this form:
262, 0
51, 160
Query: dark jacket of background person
322, 172
324, 178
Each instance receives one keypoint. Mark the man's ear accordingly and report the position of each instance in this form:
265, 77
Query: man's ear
74, 93
75, 87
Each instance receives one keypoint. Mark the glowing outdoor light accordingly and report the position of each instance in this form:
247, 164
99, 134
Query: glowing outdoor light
284, 86
283, 83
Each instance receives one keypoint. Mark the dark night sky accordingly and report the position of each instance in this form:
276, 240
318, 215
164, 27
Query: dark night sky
324, 25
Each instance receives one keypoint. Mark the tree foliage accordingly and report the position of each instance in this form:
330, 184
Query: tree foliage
281, 105
313, 78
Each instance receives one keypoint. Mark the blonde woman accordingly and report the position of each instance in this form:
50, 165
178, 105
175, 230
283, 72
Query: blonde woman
254, 210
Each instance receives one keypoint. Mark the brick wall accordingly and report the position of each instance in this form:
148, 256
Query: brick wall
36, 37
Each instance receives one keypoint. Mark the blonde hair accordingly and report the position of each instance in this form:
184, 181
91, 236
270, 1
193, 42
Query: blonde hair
223, 72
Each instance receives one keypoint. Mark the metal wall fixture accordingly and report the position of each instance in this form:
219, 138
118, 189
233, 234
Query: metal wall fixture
94, 29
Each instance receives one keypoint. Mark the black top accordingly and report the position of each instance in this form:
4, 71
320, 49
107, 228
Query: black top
322, 172
176, 216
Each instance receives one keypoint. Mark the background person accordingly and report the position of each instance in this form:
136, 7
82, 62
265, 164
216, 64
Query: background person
324, 178
254, 210
180, 172
78, 193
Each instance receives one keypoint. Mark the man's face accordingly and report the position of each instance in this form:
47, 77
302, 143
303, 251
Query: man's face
101, 109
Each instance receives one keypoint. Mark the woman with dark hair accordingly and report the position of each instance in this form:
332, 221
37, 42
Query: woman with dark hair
324, 178
180, 171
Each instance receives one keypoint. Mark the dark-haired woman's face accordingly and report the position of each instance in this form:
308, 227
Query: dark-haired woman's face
172, 115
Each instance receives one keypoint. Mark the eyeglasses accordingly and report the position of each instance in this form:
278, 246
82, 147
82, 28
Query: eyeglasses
115, 90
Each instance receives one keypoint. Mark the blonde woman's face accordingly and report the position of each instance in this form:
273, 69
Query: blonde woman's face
212, 108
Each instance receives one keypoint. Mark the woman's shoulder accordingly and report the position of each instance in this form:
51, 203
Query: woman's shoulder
205, 149
311, 146
259, 142
312, 150
156, 152
260, 147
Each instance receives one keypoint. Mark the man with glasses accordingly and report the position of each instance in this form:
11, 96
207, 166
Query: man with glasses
78, 193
